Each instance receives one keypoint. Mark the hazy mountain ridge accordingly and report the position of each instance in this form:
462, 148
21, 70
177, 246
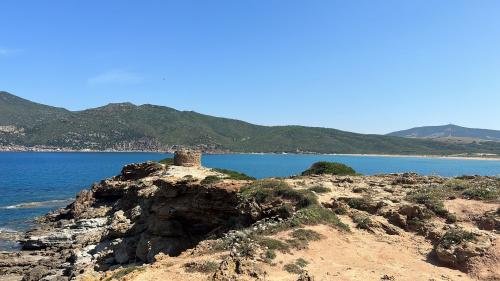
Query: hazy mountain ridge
450, 132
124, 126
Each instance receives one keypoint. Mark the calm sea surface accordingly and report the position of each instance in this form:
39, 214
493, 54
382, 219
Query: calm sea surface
32, 184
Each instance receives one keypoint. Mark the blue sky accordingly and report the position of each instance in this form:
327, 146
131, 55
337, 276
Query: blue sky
363, 66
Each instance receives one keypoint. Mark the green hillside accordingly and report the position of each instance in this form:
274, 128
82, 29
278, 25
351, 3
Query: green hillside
126, 126
449, 131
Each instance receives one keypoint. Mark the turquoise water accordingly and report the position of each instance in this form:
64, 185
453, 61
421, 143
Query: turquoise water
52, 179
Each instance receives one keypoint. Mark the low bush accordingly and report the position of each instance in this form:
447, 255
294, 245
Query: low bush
330, 168
267, 191
457, 184
455, 237
233, 175
292, 268
118, 275
210, 180
167, 161
432, 199
316, 214
482, 192
306, 234
362, 221
273, 244
269, 255
301, 262
203, 267
319, 189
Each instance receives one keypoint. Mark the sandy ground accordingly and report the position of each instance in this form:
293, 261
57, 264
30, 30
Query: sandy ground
364, 256
467, 210
196, 172
354, 256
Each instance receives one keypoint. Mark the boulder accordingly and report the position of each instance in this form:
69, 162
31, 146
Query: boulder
456, 252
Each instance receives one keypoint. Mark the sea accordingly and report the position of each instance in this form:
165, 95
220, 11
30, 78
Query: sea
34, 183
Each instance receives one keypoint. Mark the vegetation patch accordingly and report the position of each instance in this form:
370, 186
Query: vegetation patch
319, 189
272, 244
293, 268
118, 275
203, 267
456, 236
329, 168
431, 197
364, 203
233, 175
269, 255
316, 214
302, 237
267, 191
301, 262
362, 221
210, 180
297, 267
167, 161
306, 234
482, 192
457, 184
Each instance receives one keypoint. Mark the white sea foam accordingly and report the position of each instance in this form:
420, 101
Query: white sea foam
39, 204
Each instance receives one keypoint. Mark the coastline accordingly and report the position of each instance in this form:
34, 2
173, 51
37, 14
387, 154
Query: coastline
219, 152
423, 156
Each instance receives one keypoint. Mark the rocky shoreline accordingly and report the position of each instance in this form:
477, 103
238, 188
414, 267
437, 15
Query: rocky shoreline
153, 217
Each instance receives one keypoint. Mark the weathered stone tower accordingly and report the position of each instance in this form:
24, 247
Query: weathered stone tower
187, 158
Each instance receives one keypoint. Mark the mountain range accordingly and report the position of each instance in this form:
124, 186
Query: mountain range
450, 133
125, 126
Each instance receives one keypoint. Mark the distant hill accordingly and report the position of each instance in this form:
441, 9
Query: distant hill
450, 133
125, 126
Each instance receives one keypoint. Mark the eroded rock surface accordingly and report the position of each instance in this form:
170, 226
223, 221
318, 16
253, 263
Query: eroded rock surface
151, 211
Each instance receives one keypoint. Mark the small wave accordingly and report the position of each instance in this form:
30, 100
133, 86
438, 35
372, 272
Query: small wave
40, 204
7, 230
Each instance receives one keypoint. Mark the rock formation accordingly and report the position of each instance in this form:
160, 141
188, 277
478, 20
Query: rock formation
171, 216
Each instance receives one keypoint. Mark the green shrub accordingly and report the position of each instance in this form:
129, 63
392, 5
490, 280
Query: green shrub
306, 234
293, 268
330, 168
457, 184
432, 199
167, 161
269, 255
455, 237
267, 191
362, 222
302, 237
233, 175
482, 193
118, 275
273, 244
210, 180
301, 262
203, 267
316, 214
319, 189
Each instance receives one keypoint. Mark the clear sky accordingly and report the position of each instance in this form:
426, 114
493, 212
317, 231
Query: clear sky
363, 66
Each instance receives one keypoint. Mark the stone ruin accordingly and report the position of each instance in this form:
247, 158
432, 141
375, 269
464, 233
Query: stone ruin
187, 158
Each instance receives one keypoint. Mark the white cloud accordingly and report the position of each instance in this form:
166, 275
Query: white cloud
115, 76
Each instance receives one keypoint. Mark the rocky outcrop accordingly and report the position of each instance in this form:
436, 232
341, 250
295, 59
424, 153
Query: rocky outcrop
457, 247
129, 218
150, 211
